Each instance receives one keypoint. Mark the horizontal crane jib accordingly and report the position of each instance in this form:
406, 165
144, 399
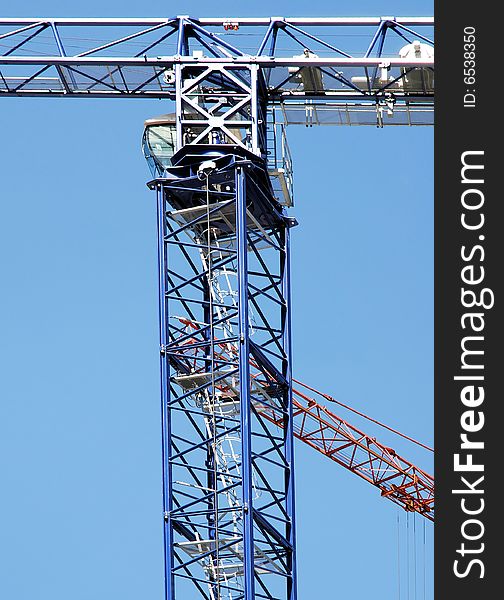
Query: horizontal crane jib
332, 69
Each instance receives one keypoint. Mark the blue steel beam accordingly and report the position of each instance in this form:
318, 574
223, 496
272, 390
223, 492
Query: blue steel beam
245, 397
166, 442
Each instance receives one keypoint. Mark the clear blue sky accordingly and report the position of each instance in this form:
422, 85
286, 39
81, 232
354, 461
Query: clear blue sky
80, 434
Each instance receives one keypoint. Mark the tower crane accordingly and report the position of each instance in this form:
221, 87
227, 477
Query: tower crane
222, 174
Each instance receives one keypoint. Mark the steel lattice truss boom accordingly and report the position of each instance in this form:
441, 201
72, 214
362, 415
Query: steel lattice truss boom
336, 71
397, 478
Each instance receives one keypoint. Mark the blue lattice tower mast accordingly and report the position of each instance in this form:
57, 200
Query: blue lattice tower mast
225, 339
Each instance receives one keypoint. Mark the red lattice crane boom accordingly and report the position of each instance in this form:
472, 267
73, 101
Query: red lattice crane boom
397, 478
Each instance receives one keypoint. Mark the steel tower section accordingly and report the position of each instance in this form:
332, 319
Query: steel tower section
225, 341
225, 362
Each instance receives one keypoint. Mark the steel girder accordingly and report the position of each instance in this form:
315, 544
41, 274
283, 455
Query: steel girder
225, 361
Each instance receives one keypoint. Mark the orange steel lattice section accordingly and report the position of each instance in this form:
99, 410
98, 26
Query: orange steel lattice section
398, 479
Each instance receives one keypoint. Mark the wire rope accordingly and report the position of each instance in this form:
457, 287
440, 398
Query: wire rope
407, 557
414, 557
424, 560
213, 397
398, 558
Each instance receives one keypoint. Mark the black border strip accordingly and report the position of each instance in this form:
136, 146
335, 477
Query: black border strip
468, 270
